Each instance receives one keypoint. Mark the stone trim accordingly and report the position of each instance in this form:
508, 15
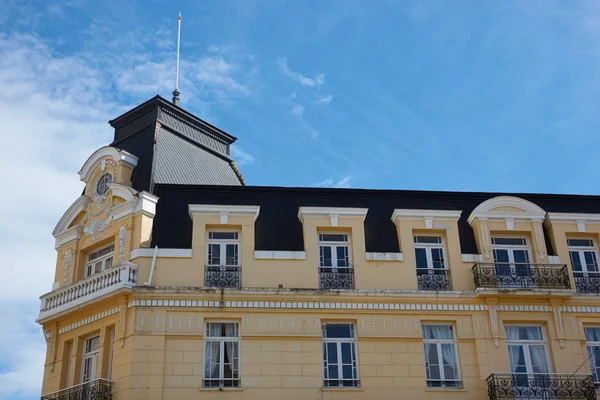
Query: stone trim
88, 320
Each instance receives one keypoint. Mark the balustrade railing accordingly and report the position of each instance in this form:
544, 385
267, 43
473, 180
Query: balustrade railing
93, 286
521, 276
98, 389
434, 279
587, 282
336, 278
223, 277
540, 386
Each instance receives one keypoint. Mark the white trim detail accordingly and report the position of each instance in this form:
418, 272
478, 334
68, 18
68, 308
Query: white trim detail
384, 257
528, 210
580, 219
279, 255
428, 215
472, 258
106, 151
78, 206
165, 253
146, 204
332, 213
223, 211
122, 191
73, 233
88, 320
553, 260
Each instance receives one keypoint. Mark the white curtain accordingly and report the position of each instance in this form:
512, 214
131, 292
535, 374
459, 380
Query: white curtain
538, 359
449, 357
513, 355
214, 330
592, 334
437, 332
230, 348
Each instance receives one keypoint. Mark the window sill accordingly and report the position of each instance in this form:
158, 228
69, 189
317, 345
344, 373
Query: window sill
204, 389
445, 389
342, 389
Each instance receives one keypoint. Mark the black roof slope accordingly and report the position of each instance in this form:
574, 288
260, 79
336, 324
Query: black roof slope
174, 147
278, 226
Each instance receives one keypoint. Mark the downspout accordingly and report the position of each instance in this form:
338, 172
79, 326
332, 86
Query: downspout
149, 283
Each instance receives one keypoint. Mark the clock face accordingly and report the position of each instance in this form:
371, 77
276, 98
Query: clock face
102, 184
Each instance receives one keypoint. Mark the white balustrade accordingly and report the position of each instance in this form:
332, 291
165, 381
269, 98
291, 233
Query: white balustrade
90, 288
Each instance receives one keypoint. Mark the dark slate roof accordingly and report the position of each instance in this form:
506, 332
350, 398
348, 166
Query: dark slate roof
278, 227
179, 161
174, 147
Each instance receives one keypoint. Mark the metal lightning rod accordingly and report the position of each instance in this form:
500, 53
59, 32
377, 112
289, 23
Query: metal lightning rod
176, 91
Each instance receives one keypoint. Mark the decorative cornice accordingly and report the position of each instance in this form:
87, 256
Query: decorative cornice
122, 191
427, 215
78, 206
88, 320
333, 213
106, 151
527, 210
223, 211
73, 233
581, 219
146, 204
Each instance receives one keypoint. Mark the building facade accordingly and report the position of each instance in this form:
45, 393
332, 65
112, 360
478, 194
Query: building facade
175, 280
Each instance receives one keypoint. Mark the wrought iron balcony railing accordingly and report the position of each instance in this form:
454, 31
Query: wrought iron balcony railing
221, 383
99, 389
90, 288
521, 276
540, 386
336, 278
333, 383
434, 279
222, 276
587, 282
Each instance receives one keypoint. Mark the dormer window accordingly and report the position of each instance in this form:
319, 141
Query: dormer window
99, 260
102, 184
222, 268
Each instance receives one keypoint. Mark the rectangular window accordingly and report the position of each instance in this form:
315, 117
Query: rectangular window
592, 335
222, 249
429, 252
584, 257
528, 358
222, 355
441, 363
99, 260
340, 367
89, 361
334, 251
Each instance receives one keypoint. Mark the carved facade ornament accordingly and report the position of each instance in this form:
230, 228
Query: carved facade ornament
122, 236
67, 261
97, 228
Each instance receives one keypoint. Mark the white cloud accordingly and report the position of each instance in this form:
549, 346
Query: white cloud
324, 99
240, 156
318, 80
342, 183
298, 110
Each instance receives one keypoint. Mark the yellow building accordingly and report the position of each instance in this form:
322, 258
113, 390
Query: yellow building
174, 280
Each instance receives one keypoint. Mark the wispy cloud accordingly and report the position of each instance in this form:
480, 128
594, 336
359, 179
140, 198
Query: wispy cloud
298, 110
240, 156
324, 99
342, 183
317, 80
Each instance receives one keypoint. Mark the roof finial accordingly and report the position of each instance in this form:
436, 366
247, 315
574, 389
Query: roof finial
176, 91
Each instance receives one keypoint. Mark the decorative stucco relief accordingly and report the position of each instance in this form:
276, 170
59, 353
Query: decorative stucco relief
122, 236
67, 261
97, 228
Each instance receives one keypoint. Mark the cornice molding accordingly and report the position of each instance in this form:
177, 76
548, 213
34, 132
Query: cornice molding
106, 151
581, 219
67, 236
122, 191
333, 213
223, 211
146, 204
428, 215
528, 210
78, 206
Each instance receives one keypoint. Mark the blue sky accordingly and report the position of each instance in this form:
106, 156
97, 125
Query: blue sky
444, 95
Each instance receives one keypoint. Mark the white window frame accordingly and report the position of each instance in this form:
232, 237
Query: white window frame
526, 344
223, 247
581, 250
511, 247
91, 264
428, 251
334, 245
354, 358
438, 343
593, 366
97, 182
92, 355
236, 383
111, 339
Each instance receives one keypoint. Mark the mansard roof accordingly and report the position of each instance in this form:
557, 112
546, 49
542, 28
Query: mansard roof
278, 226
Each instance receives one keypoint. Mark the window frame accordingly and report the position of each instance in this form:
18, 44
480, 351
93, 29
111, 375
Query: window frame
581, 250
236, 383
100, 259
353, 358
439, 342
97, 182
223, 248
334, 246
510, 248
595, 369
526, 342
93, 355
428, 252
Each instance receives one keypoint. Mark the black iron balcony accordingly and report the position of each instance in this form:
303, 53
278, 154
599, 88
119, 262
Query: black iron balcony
541, 386
99, 389
521, 276
333, 383
222, 276
336, 278
434, 279
587, 282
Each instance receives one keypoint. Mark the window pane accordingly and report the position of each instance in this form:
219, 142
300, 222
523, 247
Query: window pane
332, 356
437, 332
231, 255
590, 260
333, 237
433, 355
580, 242
214, 254
346, 353
437, 256
325, 256
592, 334
501, 256
223, 235
524, 333
421, 258
509, 241
347, 372
428, 239
332, 372
342, 256
575, 260
338, 331
521, 256
108, 263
